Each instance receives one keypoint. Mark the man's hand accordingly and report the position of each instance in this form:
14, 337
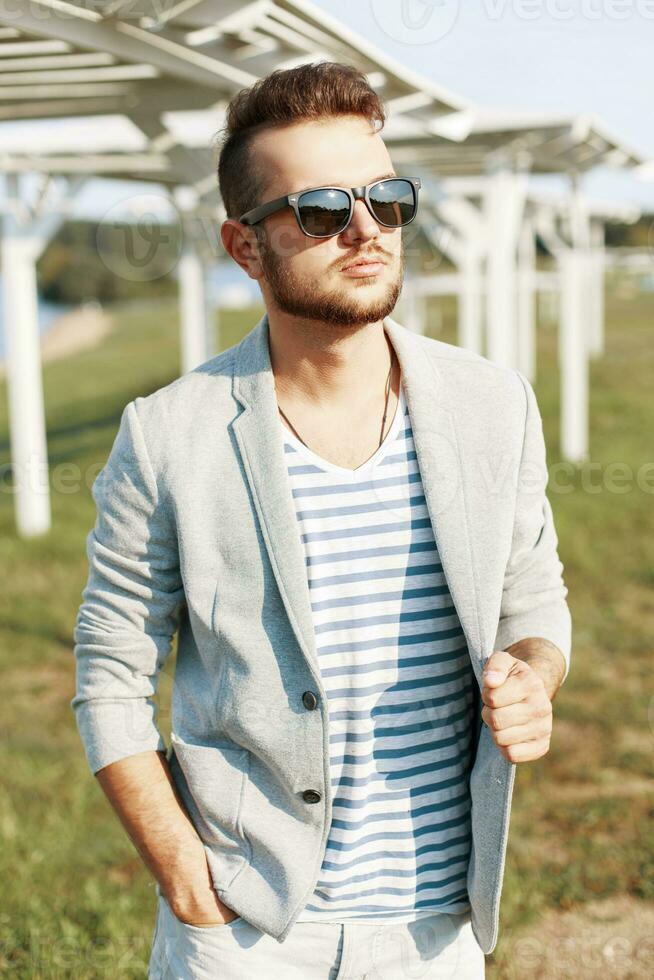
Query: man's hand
517, 707
191, 895
142, 792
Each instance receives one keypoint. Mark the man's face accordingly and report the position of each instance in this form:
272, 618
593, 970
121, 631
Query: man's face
303, 276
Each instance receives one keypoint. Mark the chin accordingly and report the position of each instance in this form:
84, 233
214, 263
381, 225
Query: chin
355, 279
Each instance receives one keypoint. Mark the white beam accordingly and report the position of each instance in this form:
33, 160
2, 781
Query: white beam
33, 47
573, 337
526, 332
146, 166
74, 76
196, 343
573, 361
504, 203
55, 61
597, 264
130, 43
30, 93
29, 459
25, 231
194, 325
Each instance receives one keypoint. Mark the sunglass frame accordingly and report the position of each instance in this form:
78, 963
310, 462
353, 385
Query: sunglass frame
257, 214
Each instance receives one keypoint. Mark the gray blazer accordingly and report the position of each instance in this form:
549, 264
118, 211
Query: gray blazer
196, 531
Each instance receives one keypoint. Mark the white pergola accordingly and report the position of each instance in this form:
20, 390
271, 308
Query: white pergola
485, 183
549, 216
546, 215
155, 65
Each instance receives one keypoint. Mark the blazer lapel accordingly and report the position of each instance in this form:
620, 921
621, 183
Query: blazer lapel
437, 437
260, 441
259, 437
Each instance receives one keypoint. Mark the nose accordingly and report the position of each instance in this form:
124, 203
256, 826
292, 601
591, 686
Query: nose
362, 226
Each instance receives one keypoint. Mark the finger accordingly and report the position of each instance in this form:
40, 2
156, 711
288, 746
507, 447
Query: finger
507, 717
526, 751
534, 731
497, 667
519, 686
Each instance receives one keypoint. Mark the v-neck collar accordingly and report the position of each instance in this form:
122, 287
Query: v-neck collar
343, 471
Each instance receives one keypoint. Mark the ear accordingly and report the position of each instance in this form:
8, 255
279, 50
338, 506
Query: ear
240, 243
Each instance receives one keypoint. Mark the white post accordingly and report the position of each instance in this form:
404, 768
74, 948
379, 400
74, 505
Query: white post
194, 339
573, 361
470, 300
597, 262
573, 337
25, 232
195, 344
526, 332
504, 204
29, 456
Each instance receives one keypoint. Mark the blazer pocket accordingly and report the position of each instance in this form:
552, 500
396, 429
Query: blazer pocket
215, 778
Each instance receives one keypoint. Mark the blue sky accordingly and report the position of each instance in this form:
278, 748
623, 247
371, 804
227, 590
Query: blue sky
587, 56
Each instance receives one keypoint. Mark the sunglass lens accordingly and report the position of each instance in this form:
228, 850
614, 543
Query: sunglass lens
393, 201
324, 212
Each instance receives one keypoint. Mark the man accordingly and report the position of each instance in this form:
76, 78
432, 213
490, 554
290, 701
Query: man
347, 523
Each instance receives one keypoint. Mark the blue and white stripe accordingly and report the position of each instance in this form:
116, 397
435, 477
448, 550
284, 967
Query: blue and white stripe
399, 682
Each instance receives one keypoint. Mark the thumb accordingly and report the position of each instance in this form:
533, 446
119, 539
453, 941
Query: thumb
497, 668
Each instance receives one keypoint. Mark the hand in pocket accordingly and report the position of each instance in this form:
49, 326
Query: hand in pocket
191, 895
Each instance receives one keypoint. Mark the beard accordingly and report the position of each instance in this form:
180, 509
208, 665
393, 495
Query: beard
298, 296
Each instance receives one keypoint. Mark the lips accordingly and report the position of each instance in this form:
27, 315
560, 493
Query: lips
371, 261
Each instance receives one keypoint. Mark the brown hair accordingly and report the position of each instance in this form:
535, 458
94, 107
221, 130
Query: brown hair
306, 92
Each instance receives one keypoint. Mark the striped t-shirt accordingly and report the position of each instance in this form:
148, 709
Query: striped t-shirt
399, 682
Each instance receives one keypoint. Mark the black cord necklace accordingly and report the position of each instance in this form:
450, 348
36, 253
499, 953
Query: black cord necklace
381, 437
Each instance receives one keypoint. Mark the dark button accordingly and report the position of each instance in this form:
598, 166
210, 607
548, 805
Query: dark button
309, 700
311, 796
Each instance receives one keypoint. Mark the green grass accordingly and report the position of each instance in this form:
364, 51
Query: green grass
77, 901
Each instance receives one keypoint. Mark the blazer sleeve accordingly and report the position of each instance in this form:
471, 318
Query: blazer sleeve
130, 605
534, 592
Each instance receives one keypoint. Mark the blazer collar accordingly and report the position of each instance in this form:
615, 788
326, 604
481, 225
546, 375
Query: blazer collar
431, 406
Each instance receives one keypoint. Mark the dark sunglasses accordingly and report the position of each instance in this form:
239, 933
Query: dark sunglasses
325, 211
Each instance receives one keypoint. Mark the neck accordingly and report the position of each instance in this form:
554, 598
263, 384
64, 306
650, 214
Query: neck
322, 366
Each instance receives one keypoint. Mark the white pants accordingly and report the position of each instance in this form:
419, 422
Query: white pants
435, 947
